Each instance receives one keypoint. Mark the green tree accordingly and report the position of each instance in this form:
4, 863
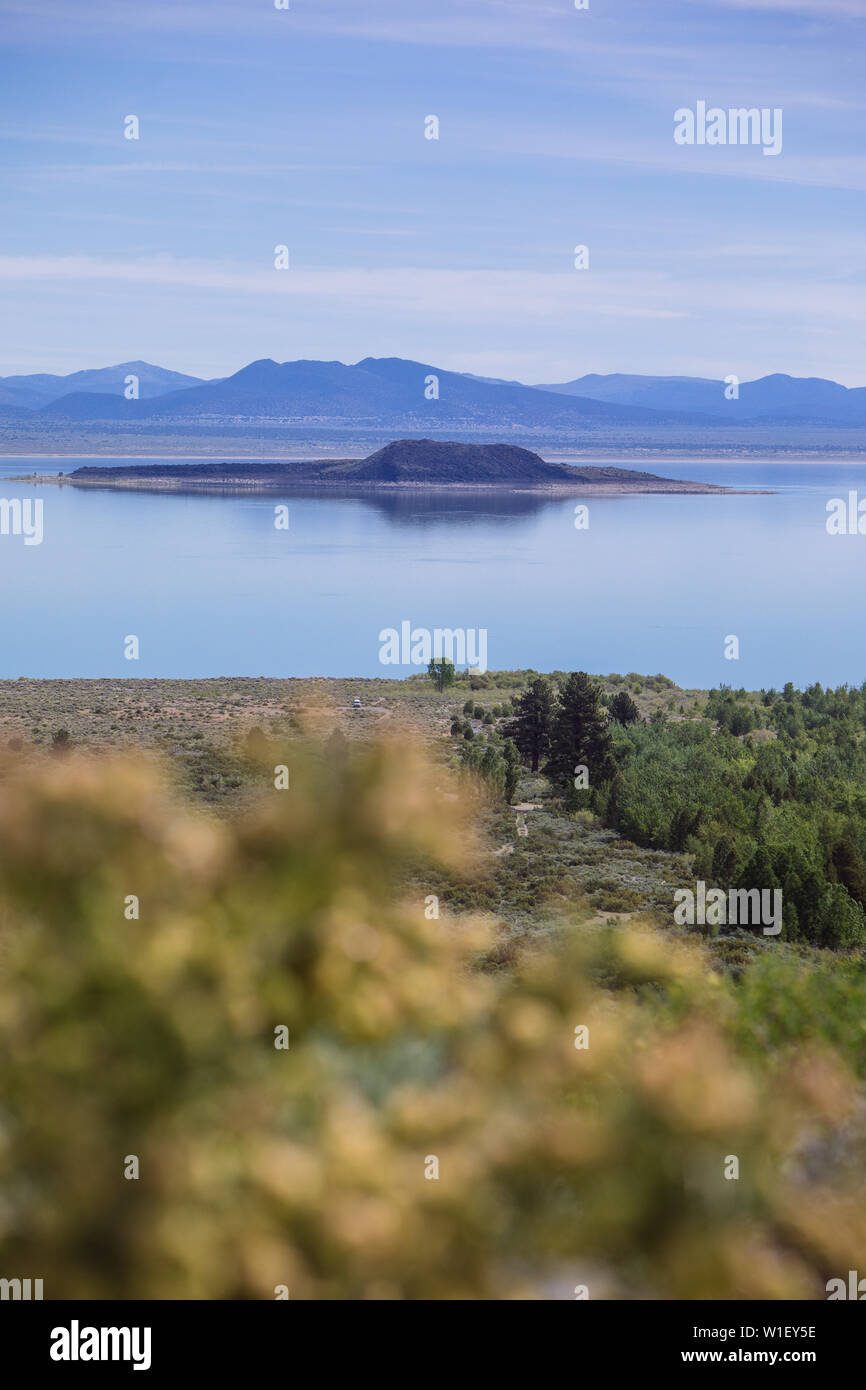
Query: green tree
531, 726
725, 860
493, 770
842, 922
580, 735
623, 708
759, 871
849, 870
740, 720
442, 673
511, 757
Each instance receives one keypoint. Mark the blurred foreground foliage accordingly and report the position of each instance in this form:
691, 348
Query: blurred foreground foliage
262, 1167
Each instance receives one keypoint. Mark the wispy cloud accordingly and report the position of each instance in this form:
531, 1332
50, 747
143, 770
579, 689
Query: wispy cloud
453, 294
557, 127
814, 9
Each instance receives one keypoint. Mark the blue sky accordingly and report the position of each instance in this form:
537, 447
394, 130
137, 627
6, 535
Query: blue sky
305, 127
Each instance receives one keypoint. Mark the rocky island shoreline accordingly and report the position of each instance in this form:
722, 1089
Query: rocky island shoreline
408, 463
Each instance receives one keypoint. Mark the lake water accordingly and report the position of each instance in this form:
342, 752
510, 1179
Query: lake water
211, 588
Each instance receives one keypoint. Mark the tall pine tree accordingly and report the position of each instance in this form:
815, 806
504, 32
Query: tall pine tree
580, 736
623, 708
530, 729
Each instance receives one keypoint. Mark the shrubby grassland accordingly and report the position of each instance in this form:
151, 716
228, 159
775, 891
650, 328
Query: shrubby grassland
765, 792
509, 1073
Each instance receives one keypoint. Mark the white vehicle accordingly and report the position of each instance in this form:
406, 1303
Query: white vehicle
356, 704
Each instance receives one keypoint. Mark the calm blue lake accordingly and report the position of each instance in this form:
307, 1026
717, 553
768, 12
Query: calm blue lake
211, 588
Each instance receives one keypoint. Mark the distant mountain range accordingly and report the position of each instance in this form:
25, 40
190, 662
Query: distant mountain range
377, 392
399, 395
33, 392
770, 400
